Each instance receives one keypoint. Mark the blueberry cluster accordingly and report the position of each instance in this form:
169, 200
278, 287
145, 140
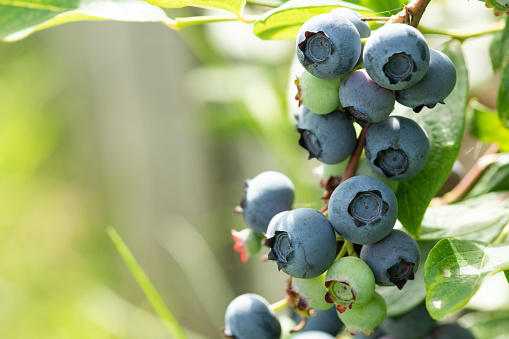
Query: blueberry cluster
335, 260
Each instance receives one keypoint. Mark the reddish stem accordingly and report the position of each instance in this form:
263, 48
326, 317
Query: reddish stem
352, 163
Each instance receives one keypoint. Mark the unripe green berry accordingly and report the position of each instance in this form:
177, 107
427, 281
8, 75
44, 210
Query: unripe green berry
364, 318
320, 96
349, 282
312, 291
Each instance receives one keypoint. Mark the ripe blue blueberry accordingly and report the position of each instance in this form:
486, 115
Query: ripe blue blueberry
328, 46
355, 18
396, 148
249, 316
436, 85
393, 260
364, 99
304, 244
363, 209
413, 324
266, 195
330, 138
396, 56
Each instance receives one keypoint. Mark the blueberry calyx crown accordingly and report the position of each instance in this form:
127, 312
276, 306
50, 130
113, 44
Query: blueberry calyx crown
316, 47
391, 161
401, 272
357, 116
339, 293
399, 67
367, 208
310, 143
280, 248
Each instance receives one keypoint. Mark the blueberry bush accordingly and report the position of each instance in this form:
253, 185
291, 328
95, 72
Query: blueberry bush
400, 240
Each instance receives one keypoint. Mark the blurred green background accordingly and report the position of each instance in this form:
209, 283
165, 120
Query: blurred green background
152, 132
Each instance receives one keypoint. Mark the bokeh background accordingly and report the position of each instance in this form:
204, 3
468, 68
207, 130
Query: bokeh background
152, 132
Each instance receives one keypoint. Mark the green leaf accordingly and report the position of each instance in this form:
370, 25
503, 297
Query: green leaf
284, 22
503, 97
455, 269
19, 19
385, 7
495, 178
267, 3
485, 125
499, 47
401, 301
234, 6
481, 218
445, 125
487, 325
144, 282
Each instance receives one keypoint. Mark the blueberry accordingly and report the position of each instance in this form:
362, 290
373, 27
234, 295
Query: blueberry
304, 244
324, 321
450, 331
250, 316
349, 282
364, 318
328, 46
272, 225
393, 260
436, 85
355, 18
266, 195
330, 138
319, 95
311, 292
313, 335
363, 209
396, 56
364, 99
413, 324
396, 148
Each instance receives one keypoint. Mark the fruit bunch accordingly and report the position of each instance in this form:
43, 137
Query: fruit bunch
336, 256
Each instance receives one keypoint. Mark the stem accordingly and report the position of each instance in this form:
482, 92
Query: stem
411, 13
373, 18
458, 192
343, 251
352, 163
279, 305
502, 236
462, 35
351, 250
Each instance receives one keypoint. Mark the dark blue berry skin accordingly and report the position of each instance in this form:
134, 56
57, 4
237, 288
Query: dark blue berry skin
249, 316
436, 85
411, 325
325, 321
396, 56
304, 244
364, 99
328, 46
393, 260
312, 335
396, 148
450, 331
355, 18
330, 138
363, 209
267, 194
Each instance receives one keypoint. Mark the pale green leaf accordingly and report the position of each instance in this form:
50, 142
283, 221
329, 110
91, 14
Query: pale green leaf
234, 6
284, 22
503, 97
484, 124
19, 19
455, 270
444, 125
481, 218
